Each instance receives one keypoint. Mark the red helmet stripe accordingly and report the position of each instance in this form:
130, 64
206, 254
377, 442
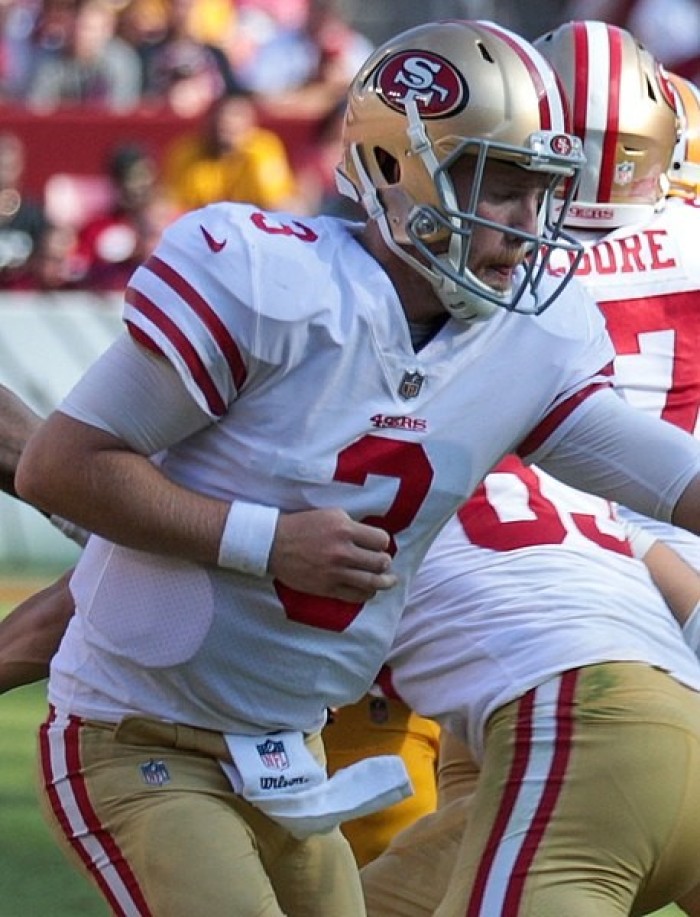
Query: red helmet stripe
581, 72
545, 103
612, 129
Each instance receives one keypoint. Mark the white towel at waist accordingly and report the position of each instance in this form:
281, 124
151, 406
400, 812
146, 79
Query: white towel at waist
279, 775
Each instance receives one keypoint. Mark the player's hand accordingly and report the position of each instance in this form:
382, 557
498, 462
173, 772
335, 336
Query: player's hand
325, 552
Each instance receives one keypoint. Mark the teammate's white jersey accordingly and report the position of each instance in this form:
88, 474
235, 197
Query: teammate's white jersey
646, 279
530, 579
293, 339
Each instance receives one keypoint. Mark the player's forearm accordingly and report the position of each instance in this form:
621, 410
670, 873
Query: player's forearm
86, 476
678, 582
30, 635
17, 423
74, 470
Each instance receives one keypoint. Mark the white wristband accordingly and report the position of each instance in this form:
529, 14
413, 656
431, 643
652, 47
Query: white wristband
640, 540
247, 538
691, 629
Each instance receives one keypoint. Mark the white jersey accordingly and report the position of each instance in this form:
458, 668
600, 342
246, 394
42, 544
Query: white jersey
530, 579
293, 339
646, 279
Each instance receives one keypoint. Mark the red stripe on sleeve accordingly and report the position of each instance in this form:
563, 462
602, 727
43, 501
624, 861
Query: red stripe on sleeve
547, 426
194, 363
143, 339
202, 308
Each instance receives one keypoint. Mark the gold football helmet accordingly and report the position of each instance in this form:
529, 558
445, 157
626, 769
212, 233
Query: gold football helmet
623, 111
422, 100
684, 174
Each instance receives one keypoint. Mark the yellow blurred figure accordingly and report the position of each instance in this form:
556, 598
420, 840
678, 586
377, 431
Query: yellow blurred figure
684, 174
232, 158
379, 726
212, 20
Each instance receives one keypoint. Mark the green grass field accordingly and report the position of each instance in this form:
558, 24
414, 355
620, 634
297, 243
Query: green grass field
35, 878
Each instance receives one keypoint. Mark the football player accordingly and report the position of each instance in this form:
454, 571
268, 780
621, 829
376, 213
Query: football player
295, 410
385, 725
652, 306
684, 174
536, 633
639, 263
30, 635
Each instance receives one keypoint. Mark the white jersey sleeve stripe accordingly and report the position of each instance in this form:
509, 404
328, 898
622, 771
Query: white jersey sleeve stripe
197, 369
207, 315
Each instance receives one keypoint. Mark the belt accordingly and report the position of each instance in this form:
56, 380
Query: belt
140, 730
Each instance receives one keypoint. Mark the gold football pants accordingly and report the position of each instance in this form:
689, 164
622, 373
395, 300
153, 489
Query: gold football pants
146, 810
587, 806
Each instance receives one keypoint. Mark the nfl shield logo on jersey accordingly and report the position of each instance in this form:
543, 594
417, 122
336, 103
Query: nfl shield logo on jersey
411, 384
273, 755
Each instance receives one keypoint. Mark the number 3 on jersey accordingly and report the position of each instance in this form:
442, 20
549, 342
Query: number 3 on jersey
371, 455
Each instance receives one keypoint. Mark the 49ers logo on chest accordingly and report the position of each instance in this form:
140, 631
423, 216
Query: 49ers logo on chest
437, 88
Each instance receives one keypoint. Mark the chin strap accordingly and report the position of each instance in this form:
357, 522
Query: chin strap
465, 307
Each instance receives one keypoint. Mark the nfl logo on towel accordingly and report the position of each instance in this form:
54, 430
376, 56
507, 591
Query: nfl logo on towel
273, 755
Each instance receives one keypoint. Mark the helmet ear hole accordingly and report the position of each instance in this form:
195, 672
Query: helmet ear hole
484, 51
388, 166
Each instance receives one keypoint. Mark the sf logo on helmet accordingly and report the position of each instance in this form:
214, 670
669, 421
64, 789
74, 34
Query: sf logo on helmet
561, 144
436, 86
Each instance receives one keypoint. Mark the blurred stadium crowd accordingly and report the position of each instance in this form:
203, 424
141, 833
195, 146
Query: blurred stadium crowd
247, 95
